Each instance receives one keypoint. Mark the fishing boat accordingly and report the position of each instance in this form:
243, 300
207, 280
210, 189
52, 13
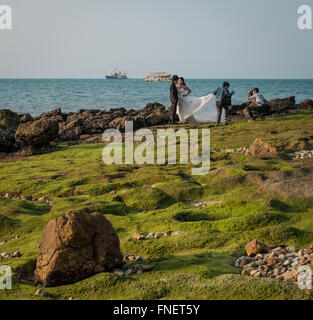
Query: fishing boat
116, 75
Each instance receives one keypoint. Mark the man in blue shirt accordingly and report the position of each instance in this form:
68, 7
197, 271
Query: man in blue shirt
223, 100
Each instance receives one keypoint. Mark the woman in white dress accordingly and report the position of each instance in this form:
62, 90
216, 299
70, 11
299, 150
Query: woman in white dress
193, 109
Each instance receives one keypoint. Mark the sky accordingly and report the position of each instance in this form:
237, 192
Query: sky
196, 38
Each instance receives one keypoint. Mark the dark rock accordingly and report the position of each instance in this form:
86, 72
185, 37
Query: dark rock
35, 137
26, 118
76, 246
282, 105
9, 122
306, 105
70, 131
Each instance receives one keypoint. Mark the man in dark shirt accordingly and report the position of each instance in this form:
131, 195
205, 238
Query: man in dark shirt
174, 99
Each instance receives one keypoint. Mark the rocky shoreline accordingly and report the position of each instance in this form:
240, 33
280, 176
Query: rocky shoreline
38, 135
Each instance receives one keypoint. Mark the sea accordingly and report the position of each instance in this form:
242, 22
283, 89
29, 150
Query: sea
36, 96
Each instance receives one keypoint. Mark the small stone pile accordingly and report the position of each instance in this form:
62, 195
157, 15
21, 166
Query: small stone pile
16, 195
7, 241
301, 155
134, 269
202, 204
152, 235
275, 262
237, 150
10, 255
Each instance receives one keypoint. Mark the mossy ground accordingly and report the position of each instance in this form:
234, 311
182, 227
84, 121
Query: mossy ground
198, 264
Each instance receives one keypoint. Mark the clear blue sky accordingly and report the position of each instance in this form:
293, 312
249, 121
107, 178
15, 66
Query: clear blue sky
199, 38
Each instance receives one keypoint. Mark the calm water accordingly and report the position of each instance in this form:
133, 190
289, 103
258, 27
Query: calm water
37, 96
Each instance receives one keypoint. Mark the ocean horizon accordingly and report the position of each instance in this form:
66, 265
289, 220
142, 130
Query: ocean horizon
39, 95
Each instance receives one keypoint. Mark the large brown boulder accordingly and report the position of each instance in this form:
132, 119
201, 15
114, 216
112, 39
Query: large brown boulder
260, 148
254, 247
9, 121
35, 137
76, 246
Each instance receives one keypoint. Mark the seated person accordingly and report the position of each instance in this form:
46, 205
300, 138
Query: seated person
257, 105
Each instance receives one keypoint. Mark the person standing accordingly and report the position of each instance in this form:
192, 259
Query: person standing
174, 98
223, 100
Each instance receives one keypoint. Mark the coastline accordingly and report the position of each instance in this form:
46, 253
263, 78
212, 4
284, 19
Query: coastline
22, 132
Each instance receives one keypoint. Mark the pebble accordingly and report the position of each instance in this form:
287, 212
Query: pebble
118, 272
137, 269
9, 255
6, 241
42, 293
128, 272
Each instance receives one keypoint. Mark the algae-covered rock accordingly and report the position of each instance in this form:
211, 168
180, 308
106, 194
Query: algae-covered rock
76, 246
36, 136
9, 121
